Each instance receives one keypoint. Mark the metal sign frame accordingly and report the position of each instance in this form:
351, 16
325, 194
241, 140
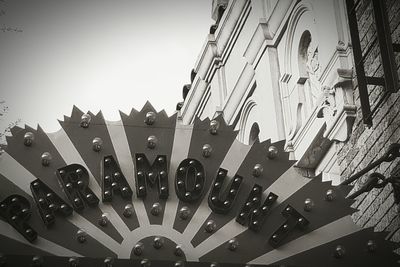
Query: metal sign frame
150, 189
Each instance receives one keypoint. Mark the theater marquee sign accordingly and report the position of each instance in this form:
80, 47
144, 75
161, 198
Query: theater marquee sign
148, 191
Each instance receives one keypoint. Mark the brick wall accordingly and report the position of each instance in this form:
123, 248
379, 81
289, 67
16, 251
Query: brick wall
365, 145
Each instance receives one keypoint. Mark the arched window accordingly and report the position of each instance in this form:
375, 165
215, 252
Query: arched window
309, 68
304, 45
254, 132
246, 120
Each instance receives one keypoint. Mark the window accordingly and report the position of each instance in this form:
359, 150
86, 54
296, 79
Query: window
254, 132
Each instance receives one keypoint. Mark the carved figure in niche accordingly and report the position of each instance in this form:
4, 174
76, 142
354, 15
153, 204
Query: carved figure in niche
314, 72
328, 108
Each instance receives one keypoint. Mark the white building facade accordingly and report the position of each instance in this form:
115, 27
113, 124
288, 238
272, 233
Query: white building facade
279, 70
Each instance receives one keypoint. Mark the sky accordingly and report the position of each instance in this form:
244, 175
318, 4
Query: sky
108, 55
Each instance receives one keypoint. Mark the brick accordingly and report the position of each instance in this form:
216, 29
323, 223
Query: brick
356, 95
371, 135
368, 35
387, 219
392, 102
363, 206
372, 67
351, 155
371, 32
376, 95
396, 37
392, 7
363, 28
394, 166
393, 226
377, 207
356, 187
363, 9
383, 209
393, 17
372, 203
369, 204
396, 236
395, 26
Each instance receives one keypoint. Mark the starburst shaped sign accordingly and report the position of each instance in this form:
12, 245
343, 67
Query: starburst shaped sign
147, 190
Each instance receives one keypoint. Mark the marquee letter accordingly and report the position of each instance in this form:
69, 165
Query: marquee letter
113, 180
251, 211
48, 202
74, 179
189, 180
214, 199
293, 220
16, 210
148, 175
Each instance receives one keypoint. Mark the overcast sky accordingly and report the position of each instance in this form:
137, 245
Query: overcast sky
108, 55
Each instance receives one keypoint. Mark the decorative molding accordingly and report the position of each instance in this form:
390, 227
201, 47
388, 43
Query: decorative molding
342, 58
269, 31
244, 116
329, 167
286, 77
331, 120
187, 112
214, 53
232, 22
243, 85
338, 109
207, 56
203, 103
292, 27
325, 115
